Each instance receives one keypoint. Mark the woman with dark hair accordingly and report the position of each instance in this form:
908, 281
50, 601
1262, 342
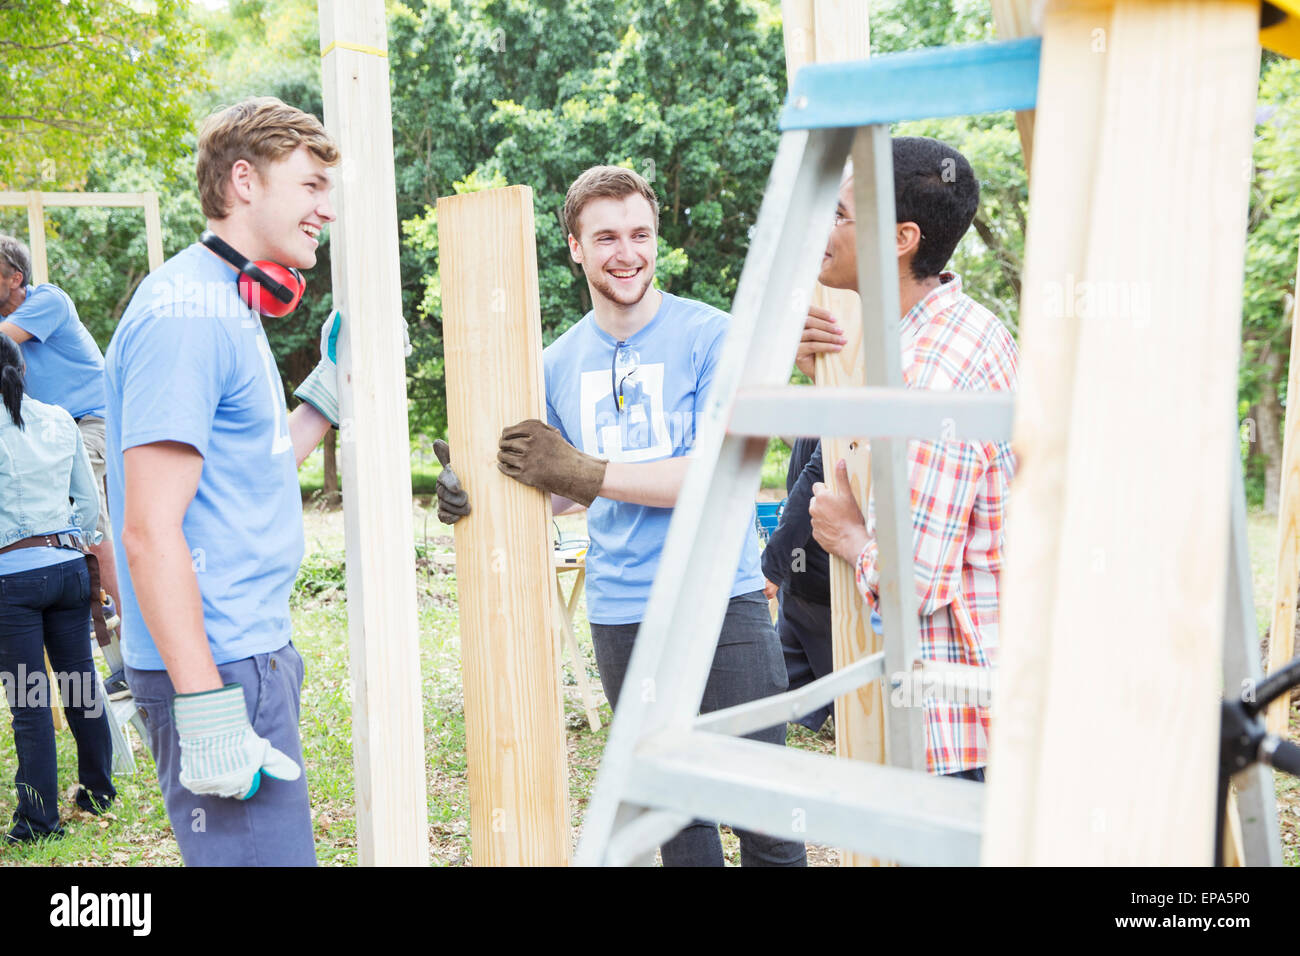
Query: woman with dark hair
48, 510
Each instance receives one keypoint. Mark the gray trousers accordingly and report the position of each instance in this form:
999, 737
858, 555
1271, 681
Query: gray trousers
274, 827
747, 665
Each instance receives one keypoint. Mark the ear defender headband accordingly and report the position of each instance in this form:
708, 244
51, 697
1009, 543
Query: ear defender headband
268, 288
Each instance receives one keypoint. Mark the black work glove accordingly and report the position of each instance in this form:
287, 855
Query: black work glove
453, 500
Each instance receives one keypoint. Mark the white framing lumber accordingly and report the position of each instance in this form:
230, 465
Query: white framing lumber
1281, 639
36, 203
824, 31
387, 709
1069, 101
1114, 597
514, 728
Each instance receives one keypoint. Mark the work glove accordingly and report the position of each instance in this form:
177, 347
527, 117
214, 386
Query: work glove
221, 754
320, 389
453, 500
537, 454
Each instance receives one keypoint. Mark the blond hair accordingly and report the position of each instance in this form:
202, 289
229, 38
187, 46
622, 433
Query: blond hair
605, 182
261, 130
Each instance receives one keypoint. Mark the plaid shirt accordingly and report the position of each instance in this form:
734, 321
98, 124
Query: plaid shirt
959, 497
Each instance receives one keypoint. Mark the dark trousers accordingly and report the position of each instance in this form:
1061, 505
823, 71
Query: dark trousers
47, 610
746, 666
273, 828
805, 630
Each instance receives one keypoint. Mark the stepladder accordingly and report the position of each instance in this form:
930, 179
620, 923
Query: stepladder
665, 764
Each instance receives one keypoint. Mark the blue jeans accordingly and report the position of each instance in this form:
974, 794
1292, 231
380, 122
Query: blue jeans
274, 827
47, 610
747, 665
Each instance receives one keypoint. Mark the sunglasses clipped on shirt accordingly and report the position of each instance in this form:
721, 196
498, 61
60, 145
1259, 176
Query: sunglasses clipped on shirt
621, 371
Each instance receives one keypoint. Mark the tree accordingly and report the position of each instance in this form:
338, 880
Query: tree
686, 94
82, 74
1274, 228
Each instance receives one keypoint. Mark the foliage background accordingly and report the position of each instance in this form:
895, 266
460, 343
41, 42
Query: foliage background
486, 92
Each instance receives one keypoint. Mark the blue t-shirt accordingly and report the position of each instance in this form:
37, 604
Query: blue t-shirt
665, 371
64, 365
190, 363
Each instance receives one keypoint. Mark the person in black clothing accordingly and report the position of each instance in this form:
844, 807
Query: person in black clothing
800, 567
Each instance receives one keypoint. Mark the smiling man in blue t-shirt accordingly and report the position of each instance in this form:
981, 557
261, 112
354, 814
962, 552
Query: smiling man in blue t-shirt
203, 480
624, 388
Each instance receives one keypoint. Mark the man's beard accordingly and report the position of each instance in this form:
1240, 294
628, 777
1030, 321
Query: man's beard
628, 297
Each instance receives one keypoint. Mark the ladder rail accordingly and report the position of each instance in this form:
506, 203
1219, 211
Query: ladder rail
1256, 802
873, 190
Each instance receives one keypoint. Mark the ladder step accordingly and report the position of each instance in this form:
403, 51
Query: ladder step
881, 811
872, 412
917, 84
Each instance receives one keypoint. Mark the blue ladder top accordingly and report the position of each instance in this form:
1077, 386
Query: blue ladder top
917, 84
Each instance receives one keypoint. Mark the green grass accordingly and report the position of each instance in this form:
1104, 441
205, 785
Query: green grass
136, 831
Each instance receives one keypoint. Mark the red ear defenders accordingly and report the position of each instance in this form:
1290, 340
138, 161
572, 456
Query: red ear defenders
268, 288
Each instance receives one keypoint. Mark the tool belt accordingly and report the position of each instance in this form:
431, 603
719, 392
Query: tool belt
77, 542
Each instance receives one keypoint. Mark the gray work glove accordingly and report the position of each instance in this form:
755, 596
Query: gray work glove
453, 500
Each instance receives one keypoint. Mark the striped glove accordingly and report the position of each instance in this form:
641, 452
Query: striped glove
320, 389
221, 755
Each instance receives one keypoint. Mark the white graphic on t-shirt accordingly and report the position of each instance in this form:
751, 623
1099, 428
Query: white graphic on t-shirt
640, 431
282, 441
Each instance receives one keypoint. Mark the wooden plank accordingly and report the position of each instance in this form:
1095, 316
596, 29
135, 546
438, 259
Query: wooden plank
36, 233
153, 230
1126, 652
1281, 638
514, 731
824, 31
1069, 97
126, 200
387, 712
1014, 19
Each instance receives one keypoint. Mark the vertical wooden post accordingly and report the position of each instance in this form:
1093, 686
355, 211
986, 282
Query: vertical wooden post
1013, 20
1106, 727
822, 31
1281, 639
514, 731
152, 229
36, 230
387, 717
1071, 78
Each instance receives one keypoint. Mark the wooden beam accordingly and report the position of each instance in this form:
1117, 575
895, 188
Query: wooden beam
153, 230
1114, 598
125, 200
824, 31
387, 712
148, 201
1281, 638
36, 233
1014, 19
1069, 95
514, 730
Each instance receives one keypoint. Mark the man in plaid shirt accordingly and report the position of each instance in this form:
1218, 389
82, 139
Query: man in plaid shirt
959, 488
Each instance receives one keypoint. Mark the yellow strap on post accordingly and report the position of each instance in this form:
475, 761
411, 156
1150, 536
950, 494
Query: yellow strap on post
355, 47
